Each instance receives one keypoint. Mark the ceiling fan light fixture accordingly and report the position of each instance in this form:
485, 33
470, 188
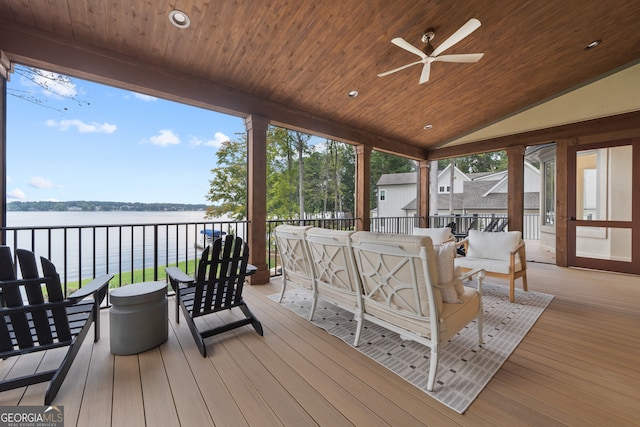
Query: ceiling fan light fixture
179, 19
593, 44
353, 94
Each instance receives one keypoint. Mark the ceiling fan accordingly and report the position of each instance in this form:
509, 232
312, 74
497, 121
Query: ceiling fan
429, 54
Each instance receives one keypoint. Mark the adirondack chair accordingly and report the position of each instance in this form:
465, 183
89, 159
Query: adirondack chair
217, 286
29, 322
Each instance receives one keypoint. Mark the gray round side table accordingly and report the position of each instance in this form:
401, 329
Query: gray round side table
138, 317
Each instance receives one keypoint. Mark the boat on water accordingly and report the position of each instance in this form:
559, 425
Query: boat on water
208, 236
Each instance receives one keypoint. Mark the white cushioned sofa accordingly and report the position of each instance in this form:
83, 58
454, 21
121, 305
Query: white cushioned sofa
500, 254
396, 281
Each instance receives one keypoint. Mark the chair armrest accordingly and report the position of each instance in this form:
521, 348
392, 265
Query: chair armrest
517, 248
177, 275
520, 249
481, 274
464, 243
471, 273
98, 284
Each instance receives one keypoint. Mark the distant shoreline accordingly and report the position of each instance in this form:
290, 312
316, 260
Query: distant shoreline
96, 206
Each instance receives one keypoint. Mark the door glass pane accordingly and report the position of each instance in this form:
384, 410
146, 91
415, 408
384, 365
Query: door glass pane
603, 184
604, 243
549, 193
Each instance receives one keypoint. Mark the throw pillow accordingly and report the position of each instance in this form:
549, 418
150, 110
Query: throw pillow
445, 254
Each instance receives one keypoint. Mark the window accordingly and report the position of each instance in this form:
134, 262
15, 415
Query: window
383, 195
443, 189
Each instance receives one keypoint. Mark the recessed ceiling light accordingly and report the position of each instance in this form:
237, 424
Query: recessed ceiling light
427, 127
179, 19
352, 93
593, 44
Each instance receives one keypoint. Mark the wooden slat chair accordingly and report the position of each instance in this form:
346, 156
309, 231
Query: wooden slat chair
500, 254
217, 286
39, 323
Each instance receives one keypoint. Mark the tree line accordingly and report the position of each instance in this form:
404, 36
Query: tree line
90, 206
306, 179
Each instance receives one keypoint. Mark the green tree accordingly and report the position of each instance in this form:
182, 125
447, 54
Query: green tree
228, 188
494, 161
282, 175
330, 179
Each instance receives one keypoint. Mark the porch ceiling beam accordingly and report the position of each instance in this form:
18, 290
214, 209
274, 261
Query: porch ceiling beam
617, 126
44, 50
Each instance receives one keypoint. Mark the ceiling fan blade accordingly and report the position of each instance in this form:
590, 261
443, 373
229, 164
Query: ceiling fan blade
386, 73
400, 42
468, 28
426, 70
465, 57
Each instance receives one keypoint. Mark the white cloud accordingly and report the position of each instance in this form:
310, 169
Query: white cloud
218, 139
146, 98
16, 194
53, 84
164, 138
40, 182
82, 127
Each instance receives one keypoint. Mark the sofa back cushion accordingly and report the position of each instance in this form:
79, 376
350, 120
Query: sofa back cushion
294, 254
392, 274
438, 235
330, 252
489, 245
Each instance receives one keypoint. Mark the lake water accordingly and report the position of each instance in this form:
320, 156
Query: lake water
117, 242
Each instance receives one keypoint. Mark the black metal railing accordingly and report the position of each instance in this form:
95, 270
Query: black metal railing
273, 259
139, 252
132, 252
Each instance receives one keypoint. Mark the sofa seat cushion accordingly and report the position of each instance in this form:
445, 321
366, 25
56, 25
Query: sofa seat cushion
489, 265
454, 317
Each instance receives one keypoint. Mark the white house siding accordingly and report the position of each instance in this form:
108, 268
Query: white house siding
444, 180
396, 197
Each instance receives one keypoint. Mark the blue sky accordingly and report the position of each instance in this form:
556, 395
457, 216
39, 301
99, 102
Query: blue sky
122, 146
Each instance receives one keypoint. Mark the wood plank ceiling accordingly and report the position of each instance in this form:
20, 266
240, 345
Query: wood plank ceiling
301, 58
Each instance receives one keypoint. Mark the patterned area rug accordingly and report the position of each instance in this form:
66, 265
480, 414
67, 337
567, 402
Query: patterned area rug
464, 368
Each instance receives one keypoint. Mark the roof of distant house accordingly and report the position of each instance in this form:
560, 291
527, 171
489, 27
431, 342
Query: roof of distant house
475, 197
397, 178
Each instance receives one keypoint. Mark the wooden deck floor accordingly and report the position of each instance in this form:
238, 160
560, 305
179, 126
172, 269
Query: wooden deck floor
579, 365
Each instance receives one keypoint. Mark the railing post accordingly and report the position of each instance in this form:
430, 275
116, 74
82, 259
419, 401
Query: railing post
155, 252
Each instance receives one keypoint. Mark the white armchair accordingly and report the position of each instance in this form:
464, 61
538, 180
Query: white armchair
500, 254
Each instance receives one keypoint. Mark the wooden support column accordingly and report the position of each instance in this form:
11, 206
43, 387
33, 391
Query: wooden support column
257, 196
363, 187
515, 182
422, 203
562, 207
